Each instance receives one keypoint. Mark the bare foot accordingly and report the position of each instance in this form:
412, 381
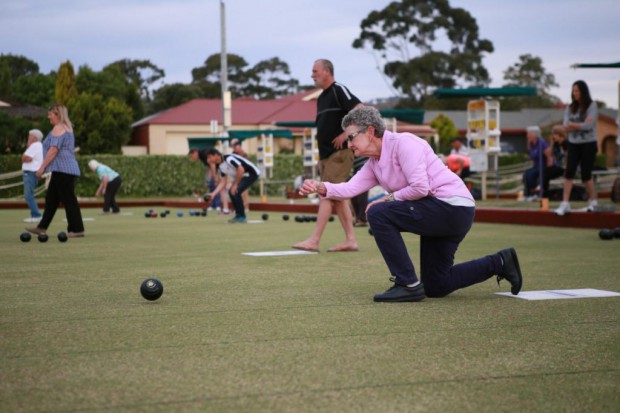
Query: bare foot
307, 245
345, 246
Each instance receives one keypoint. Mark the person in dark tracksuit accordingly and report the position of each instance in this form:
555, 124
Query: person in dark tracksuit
242, 173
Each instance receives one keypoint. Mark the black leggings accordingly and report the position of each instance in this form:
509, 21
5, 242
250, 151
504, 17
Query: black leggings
582, 154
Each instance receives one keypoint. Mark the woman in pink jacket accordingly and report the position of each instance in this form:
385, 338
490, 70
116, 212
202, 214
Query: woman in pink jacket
425, 198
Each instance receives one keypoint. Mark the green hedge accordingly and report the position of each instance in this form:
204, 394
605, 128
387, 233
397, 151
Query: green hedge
155, 175
176, 176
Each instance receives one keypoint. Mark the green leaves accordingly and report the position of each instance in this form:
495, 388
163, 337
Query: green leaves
426, 25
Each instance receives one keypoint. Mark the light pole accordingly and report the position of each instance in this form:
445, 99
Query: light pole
226, 101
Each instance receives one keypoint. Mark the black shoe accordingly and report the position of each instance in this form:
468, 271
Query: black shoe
401, 293
511, 270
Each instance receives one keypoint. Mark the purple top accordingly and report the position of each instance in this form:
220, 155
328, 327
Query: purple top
65, 159
409, 169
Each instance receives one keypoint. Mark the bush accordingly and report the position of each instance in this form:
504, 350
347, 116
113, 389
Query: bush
156, 175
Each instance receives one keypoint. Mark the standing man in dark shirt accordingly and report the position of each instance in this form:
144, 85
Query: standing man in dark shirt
335, 158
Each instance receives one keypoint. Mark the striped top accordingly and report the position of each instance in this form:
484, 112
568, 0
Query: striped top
231, 162
65, 159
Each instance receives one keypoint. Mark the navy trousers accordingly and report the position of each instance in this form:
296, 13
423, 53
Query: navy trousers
441, 227
236, 199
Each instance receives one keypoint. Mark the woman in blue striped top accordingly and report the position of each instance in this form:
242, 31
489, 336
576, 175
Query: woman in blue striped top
59, 159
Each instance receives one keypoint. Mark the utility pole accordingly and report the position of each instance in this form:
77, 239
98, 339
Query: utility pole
226, 100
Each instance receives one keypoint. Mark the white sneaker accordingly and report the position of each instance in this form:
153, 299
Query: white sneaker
563, 208
32, 219
592, 205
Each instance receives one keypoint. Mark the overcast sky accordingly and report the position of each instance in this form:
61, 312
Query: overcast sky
178, 35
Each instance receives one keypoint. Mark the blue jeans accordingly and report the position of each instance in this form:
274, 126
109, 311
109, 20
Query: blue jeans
30, 182
441, 227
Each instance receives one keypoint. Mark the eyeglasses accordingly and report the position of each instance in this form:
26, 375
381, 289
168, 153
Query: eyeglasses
354, 134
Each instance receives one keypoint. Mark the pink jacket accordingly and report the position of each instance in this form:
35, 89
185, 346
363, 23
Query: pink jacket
408, 168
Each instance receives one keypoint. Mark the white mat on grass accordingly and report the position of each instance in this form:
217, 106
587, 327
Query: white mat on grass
277, 253
561, 294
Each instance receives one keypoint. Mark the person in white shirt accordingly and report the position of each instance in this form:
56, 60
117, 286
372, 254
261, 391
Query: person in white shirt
31, 162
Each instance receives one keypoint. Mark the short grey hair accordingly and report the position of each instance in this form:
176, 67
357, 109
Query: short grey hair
327, 65
36, 133
533, 129
364, 117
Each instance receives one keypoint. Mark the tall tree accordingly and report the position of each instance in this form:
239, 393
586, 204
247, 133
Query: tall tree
140, 73
101, 125
208, 76
37, 89
426, 25
172, 95
19, 66
270, 79
6, 85
530, 72
65, 84
110, 82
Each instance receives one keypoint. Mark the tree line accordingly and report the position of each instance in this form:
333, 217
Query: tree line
407, 38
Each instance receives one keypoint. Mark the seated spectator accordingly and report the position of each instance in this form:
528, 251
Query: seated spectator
459, 147
459, 164
556, 157
532, 177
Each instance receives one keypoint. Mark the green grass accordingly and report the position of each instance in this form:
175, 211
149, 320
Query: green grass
296, 333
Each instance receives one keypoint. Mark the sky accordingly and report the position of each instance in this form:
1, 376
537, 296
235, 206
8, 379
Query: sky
178, 35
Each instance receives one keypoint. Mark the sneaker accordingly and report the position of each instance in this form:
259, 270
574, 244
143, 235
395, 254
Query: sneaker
401, 294
511, 271
592, 205
238, 220
32, 219
563, 208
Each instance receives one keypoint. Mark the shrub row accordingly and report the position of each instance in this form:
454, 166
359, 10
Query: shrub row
155, 175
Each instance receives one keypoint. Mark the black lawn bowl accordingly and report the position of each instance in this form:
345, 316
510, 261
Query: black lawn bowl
606, 234
151, 289
299, 218
285, 217
331, 218
42, 237
62, 237
370, 232
162, 214
265, 217
147, 214
617, 232
204, 212
25, 237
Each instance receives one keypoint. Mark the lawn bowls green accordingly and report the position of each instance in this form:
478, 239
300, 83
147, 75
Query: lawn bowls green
25, 237
151, 289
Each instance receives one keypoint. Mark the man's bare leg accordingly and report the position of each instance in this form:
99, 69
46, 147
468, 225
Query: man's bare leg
346, 219
312, 243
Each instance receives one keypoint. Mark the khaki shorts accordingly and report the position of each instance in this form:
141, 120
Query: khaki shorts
336, 168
